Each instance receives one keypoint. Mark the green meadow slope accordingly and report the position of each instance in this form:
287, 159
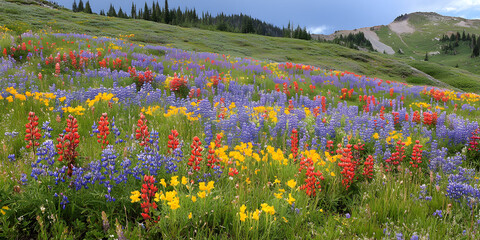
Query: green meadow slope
23, 15
455, 68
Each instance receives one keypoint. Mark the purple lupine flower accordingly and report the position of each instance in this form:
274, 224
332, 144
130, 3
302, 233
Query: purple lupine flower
47, 129
399, 236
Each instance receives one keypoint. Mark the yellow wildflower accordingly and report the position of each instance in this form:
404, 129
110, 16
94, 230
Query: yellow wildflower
162, 181
291, 183
256, 215
169, 196
409, 141
268, 209
276, 181
208, 187
4, 208
174, 204
278, 195
135, 196
173, 181
290, 199
184, 180
202, 194
243, 215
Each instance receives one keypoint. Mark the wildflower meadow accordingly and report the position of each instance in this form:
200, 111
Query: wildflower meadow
107, 138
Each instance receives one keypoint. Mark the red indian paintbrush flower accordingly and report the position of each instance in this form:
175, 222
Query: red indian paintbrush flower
348, 164
148, 195
57, 69
368, 167
142, 133
196, 156
313, 178
173, 141
212, 158
32, 133
474, 139
68, 143
294, 148
416, 154
103, 130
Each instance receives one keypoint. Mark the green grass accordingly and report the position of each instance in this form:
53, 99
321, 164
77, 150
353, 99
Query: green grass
416, 44
455, 77
325, 55
380, 207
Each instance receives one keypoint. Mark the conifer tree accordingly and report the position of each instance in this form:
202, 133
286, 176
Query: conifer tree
74, 6
167, 13
88, 9
80, 6
159, 12
121, 13
146, 12
476, 48
111, 11
133, 12
476, 51
154, 12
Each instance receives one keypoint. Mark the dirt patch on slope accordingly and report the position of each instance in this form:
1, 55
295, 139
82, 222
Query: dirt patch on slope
401, 27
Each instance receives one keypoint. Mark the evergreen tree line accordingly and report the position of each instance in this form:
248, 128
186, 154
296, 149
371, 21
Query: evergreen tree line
452, 41
81, 8
190, 18
354, 40
300, 33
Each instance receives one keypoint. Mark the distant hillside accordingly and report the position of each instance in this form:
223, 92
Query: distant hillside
22, 15
414, 36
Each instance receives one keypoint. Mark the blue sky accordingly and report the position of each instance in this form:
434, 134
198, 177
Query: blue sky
319, 16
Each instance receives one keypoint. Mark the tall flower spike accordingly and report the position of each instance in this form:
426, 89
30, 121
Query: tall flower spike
196, 156
68, 143
294, 145
173, 141
368, 167
148, 196
142, 133
103, 130
212, 158
32, 132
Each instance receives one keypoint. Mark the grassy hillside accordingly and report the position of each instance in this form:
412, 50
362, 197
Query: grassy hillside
13, 16
329, 56
103, 138
429, 28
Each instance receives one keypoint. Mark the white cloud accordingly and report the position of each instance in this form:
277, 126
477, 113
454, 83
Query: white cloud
318, 29
460, 5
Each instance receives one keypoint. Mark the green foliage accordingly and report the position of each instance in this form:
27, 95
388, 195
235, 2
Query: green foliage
354, 40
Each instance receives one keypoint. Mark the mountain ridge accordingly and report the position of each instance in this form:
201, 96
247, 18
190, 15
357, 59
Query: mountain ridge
401, 25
